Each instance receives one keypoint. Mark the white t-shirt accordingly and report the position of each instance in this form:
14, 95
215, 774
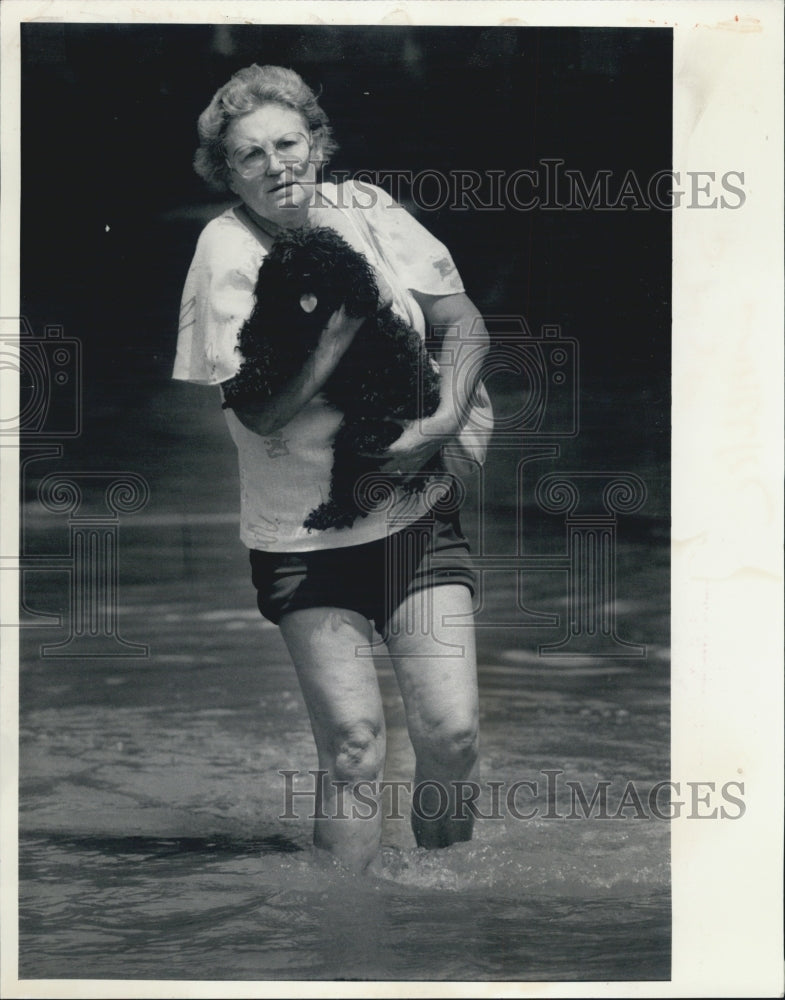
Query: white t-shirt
285, 475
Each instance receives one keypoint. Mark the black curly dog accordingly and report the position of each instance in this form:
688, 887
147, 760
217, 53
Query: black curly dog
386, 371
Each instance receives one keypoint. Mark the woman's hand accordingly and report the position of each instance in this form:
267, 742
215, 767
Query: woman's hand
334, 340
418, 443
463, 330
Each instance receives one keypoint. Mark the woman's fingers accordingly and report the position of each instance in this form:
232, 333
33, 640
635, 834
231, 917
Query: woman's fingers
410, 452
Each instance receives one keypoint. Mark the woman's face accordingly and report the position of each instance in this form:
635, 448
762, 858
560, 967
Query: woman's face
268, 169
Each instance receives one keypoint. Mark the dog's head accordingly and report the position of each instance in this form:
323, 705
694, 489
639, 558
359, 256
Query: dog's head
308, 274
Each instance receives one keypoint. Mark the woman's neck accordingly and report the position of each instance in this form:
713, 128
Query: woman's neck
272, 229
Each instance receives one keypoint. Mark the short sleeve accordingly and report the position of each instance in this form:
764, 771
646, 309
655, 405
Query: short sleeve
421, 262
217, 299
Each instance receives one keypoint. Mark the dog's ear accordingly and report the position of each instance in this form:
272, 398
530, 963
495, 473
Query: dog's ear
308, 302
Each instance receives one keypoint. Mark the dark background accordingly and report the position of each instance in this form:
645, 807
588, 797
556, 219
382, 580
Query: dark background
109, 114
111, 211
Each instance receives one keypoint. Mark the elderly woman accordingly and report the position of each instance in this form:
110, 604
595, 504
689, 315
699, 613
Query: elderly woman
405, 566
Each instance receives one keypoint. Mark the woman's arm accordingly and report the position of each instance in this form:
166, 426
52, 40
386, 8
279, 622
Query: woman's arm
293, 396
464, 345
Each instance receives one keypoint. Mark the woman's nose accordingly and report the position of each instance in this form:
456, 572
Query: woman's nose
275, 165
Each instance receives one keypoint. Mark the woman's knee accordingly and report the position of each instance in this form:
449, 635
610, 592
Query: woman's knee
359, 751
452, 744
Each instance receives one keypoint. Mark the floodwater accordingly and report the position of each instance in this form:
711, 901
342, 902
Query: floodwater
151, 839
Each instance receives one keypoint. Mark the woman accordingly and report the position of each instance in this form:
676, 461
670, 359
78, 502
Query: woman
405, 566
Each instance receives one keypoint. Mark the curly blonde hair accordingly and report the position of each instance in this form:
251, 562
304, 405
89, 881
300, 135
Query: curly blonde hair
249, 89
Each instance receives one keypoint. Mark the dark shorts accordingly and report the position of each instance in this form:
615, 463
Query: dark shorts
372, 579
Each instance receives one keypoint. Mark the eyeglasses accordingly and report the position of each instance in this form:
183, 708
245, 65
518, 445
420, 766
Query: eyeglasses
289, 150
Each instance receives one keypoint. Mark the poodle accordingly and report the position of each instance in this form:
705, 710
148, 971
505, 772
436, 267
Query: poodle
385, 373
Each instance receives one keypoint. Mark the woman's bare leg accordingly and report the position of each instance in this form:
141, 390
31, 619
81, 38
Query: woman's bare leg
342, 695
436, 666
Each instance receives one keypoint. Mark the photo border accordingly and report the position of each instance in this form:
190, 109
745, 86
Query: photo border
726, 595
